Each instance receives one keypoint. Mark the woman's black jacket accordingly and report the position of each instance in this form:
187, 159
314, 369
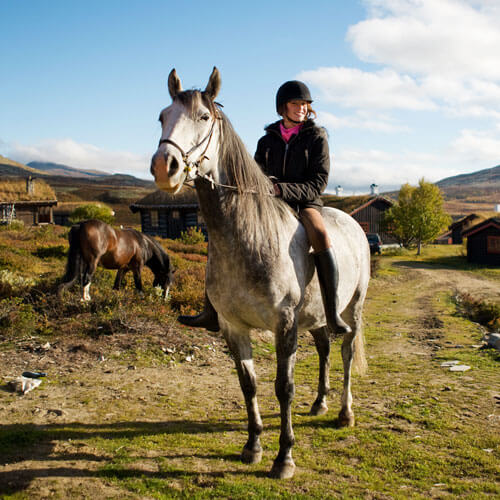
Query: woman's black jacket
300, 167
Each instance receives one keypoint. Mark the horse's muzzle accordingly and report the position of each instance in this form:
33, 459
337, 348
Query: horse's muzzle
165, 168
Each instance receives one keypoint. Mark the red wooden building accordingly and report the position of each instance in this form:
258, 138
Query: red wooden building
483, 242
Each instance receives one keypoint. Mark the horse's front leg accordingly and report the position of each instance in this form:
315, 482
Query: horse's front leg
286, 347
241, 348
137, 277
119, 277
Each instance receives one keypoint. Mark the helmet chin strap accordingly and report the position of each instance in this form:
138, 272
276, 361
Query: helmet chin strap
293, 121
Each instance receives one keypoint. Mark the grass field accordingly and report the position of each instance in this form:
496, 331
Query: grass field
136, 406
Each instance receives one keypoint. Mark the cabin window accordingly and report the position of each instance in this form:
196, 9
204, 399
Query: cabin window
154, 218
176, 214
493, 244
365, 226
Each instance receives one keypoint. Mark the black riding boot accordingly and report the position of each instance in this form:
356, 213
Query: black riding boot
328, 274
206, 319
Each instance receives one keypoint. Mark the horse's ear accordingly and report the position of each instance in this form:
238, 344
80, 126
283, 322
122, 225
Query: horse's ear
174, 84
213, 85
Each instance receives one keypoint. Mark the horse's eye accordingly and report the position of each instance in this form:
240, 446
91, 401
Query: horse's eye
205, 117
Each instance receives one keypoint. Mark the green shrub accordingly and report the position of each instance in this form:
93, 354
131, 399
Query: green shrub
92, 211
484, 313
15, 225
192, 236
17, 318
56, 251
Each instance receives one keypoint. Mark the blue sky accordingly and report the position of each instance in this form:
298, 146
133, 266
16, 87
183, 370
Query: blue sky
406, 88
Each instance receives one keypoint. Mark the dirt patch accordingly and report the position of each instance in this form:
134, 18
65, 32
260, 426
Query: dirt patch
141, 381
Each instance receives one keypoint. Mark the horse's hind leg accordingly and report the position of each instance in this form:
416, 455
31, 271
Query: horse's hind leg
349, 343
322, 341
87, 275
241, 348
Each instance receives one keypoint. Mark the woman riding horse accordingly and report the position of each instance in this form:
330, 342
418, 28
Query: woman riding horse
294, 154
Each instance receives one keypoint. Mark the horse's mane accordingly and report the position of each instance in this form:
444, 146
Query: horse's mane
257, 214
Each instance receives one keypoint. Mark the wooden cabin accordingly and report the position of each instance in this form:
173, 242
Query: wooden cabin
461, 225
368, 210
167, 215
483, 242
31, 201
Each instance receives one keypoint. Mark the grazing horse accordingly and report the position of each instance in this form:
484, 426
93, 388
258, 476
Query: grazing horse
260, 271
94, 242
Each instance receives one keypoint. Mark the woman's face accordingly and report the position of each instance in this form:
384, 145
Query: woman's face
296, 110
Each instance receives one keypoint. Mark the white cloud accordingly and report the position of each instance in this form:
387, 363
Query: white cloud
437, 55
480, 147
84, 156
457, 38
360, 120
384, 89
357, 170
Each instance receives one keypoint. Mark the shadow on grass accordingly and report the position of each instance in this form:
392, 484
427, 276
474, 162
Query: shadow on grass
451, 262
37, 443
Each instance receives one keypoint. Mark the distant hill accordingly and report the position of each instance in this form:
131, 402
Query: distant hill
64, 170
13, 168
60, 175
489, 178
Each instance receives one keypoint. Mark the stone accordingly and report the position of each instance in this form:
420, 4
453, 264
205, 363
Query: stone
459, 368
450, 363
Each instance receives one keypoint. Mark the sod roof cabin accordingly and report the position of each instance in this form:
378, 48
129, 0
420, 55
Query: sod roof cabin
461, 225
483, 242
167, 215
368, 210
29, 200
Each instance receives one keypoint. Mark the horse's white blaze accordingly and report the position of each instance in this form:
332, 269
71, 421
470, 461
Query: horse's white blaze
190, 133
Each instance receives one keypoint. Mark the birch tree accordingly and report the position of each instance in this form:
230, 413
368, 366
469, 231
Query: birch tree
418, 217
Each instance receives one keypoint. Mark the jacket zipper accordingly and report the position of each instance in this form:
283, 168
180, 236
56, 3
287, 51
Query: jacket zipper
284, 158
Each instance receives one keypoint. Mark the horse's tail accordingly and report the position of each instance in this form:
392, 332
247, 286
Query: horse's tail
359, 362
74, 263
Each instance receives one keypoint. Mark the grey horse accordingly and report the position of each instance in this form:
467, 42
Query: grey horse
260, 272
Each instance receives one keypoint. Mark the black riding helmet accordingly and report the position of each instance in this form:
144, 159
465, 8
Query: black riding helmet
292, 90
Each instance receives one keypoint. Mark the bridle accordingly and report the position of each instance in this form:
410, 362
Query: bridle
191, 168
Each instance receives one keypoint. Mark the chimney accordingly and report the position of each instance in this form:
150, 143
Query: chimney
30, 185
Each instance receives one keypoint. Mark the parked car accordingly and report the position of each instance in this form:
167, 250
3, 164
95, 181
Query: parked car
374, 241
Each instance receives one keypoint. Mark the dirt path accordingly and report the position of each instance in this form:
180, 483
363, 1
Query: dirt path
455, 281
97, 391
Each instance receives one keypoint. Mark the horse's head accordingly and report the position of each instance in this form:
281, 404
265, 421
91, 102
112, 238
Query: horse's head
189, 138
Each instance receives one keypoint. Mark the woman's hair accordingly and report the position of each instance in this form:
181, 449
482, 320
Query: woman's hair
311, 114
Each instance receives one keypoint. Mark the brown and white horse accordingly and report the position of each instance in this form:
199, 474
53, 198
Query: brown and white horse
260, 272
94, 242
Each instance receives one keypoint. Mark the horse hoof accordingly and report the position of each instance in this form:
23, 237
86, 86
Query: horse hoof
346, 419
318, 409
282, 470
251, 456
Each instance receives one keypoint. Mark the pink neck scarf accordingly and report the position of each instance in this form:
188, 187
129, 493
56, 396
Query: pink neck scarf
287, 133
